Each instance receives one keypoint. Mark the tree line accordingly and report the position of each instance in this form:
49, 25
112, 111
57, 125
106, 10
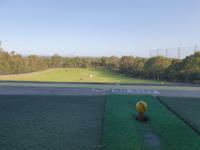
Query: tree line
157, 68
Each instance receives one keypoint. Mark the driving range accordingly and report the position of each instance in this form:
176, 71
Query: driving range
61, 116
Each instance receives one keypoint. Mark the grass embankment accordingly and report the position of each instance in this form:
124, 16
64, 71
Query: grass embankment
163, 132
75, 75
187, 108
51, 122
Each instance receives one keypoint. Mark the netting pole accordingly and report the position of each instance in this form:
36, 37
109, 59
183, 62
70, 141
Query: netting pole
166, 53
195, 48
179, 53
157, 52
149, 53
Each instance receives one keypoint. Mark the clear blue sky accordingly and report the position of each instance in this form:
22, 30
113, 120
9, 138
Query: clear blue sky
98, 27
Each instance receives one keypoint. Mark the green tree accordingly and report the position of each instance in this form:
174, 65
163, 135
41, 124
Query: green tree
155, 67
56, 61
189, 68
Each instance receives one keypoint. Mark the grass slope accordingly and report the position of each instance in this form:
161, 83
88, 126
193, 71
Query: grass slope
164, 132
75, 75
51, 122
187, 108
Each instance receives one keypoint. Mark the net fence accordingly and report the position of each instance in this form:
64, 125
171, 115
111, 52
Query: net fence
178, 53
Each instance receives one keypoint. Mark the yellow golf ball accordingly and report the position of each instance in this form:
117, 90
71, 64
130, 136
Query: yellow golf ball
141, 106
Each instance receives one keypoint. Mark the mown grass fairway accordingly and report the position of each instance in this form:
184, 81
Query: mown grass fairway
75, 75
164, 131
51, 122
186, 108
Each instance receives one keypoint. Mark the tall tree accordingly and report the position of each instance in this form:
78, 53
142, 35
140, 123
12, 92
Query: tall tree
155, 67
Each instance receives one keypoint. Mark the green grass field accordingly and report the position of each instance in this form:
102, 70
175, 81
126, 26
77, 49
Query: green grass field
75, 75
164, 131
186, 108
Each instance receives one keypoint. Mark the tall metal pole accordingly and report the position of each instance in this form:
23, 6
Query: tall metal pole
149, 53
166, 53
195, 48
179, 53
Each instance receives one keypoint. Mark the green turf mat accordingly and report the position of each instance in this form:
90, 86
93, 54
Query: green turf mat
186, 108
164, 131
51, 122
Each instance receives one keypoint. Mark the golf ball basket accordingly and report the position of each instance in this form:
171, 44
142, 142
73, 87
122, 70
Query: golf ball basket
141, 108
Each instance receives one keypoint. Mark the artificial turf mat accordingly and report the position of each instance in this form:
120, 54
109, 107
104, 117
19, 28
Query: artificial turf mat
51, 122
164, 131
185, 107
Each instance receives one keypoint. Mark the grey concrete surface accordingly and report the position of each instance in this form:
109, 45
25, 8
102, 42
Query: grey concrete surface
18, 88
33, 90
